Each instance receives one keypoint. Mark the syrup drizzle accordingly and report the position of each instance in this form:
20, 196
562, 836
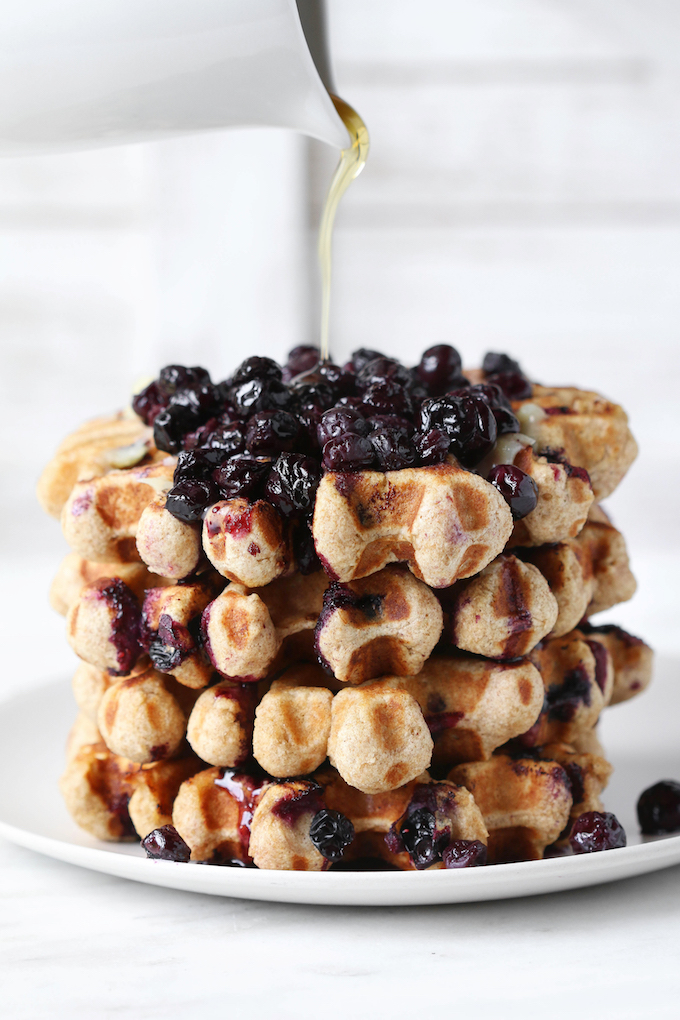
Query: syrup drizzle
352, 162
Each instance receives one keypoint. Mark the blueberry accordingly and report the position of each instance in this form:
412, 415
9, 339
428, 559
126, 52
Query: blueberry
319, 395
292, 483
338, 421
499, 363
172, 424
387, 397
269, 433
309, 422
191, 466
360, 358
391, 421
492, 393
658, 808
342, 383
304, 552
303, 358
348, 453
393, 449
166, 844
464, 853
148, 402
517, 488
505, 421
418, 837
196, 405
177, 377
331, 832
596, 831
228, 438
255, 395
354, 402
190, 498
514, 385
256, 368
242, 475
440, 369
469, 422
431, 447
380, 370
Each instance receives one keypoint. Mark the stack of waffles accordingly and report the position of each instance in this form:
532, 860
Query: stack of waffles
433, 680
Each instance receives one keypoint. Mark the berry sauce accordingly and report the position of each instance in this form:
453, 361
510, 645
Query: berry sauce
126, 622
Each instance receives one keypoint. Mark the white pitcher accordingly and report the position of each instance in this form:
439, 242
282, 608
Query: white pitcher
86, 73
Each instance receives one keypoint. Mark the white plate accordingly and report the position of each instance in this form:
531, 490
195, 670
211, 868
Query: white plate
641, 739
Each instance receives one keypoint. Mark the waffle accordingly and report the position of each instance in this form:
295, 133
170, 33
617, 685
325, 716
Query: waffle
412, 645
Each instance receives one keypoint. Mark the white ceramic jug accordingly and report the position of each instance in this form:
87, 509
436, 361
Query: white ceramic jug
85, 73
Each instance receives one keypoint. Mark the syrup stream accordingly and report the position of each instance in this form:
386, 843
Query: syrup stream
352, 162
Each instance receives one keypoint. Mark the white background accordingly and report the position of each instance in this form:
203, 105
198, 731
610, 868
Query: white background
522, 194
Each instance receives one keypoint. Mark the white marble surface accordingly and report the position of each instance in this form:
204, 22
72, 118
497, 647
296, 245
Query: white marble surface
78, 944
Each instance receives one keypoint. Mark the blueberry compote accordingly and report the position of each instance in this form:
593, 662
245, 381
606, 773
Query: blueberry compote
166, 844
658, 808
596, 831
269, 432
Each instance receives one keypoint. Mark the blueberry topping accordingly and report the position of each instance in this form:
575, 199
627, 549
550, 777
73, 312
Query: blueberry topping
301, 359
505, 421
256, 368
171, 425
338, 421
387, 397
382, 370
191, 465
494, 364
242, 475
517, 488
596, 831
166, 844
361, 358
348, 452
391, 421
317, 395
292, 483
331, 833
341, 382
228, 438
272, 432
440, 369
149, 401
304, 552
514, 385
190, 498
432, 446
420, 831
658, 808
469, 422
492, 393
464, 853
261, 395
393, 449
